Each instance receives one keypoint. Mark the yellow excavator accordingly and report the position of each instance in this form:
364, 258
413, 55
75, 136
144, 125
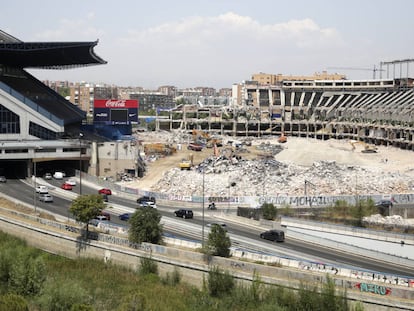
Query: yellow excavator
186, 164
367, 148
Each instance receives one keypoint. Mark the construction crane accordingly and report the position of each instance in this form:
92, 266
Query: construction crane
374, 70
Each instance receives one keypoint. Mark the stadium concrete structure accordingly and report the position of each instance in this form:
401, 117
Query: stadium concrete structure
377, 111
37, 125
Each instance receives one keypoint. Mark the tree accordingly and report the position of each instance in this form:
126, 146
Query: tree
87, 207
145, 226
218, 243
269, 211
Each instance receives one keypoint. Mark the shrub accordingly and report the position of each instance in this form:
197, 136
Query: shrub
219, 283
148, 266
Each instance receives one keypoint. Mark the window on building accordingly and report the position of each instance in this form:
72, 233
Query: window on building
41, 132
9, 121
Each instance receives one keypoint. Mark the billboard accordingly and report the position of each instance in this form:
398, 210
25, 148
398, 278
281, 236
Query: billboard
115, 111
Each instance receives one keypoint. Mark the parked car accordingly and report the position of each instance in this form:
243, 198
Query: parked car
47, 176
45, 197
384, 203
66, 186
71, 182
125, 217
273, 235
3, 179
146, 199
41, 189
184, 213
195, 147
105, 191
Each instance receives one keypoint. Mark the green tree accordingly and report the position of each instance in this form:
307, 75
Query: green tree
145, 226
218, 243
269, 211
87, 207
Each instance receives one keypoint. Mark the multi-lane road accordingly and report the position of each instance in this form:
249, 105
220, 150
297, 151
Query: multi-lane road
241, 235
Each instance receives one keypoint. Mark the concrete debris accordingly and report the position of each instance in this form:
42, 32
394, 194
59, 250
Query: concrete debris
230, 174
387, 220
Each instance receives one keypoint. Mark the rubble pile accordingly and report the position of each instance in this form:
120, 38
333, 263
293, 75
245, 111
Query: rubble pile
231, 176
387, 220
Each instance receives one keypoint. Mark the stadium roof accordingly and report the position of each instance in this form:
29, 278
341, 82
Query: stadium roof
47, 55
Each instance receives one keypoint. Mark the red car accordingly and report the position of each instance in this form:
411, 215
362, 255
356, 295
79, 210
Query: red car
66, 186
105, 191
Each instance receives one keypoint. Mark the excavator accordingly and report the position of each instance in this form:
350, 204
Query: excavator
367, 148
187, 163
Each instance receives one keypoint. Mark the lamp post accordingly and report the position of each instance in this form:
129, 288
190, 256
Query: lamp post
34, 188
80, 163
202, 232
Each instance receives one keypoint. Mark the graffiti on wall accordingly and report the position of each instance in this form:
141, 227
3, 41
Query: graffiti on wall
373, 288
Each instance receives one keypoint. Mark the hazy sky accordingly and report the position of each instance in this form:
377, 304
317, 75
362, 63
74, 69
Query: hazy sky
217, 43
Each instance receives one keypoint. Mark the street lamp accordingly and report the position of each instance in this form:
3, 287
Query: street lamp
34, 188
202, 234
80, 163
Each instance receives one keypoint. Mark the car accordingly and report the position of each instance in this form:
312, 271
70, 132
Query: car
184, 213
106, 214
45, 197
48, 176
101, 218
273, 235
195, 147
146, 199
59, 175
71, 182
105, 191
125, 216
148, 204
224, 226
66, 186
3, 179
41, 189
212, 206
384, 203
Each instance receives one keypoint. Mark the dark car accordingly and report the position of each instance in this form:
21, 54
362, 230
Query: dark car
273, 235
184, 213
384, 203
125, 216
145, 199
212, 206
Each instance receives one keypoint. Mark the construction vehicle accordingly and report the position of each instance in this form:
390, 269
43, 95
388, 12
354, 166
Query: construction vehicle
187, 163
367, 148
282, 139
159, 148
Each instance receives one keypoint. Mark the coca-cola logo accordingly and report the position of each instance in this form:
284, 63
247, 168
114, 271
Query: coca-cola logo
115, 103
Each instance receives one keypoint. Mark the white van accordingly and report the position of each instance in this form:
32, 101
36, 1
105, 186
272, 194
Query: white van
58, 175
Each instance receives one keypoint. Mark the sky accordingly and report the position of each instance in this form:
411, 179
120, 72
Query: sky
217, 43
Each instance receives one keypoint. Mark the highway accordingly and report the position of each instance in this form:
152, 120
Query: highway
242, 236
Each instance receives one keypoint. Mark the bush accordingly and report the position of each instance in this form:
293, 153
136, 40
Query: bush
13, 302
173, 278
269, 211
219, 283
148, 266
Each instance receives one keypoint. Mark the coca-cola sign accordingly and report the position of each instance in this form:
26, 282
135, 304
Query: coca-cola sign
115, 103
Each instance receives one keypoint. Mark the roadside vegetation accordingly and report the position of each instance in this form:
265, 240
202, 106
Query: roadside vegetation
33, 280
